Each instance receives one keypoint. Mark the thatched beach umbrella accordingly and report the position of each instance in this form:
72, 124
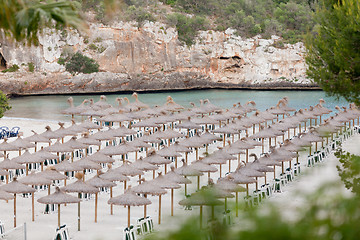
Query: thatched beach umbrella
22, 143
149, 187
6, 147
241, 178
80, 187
166, 183
28, 158
86, 163
52, 174
154, 158
8, 164
58, 197
5, 195
75, 145
201, 198
202, 167
129, 199
128, 170
228, 185
34, 180
16, 187
37, 138
188, 170
114, 176
99, 183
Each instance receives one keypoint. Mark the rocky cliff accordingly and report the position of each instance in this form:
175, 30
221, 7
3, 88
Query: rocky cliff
152, 58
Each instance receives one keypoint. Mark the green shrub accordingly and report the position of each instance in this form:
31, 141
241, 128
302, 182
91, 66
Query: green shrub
138, 14
4, 104
79, 63
187, 27
13, 68
31, 67
93, 47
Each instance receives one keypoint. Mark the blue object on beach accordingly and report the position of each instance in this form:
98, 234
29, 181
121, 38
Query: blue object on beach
14, 132
4, 132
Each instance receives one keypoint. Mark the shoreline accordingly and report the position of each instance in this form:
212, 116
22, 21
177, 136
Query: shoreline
170, 90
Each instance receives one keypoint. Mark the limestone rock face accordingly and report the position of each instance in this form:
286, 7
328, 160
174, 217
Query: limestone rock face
153, 53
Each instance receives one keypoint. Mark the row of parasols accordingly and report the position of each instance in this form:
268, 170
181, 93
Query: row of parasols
167, 117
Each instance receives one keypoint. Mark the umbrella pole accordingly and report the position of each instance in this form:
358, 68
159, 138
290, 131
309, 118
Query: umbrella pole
282, 167
247, 155
225, 204
42, 166
186, 157
198, 182
14, 210
197, 153
262, 145
220, 168
153, 174
269, 143
236, 202
185, 188
224, 138
172, 202
165, 167
124, 186
230, 165
159, 209
59, 216
247, 189
256, 184
200, 216
79, 213
175, 161
27, 169
49, 189
32, 206
145, 196
111, 206
274, 172
96, 202
265, 178
128, 216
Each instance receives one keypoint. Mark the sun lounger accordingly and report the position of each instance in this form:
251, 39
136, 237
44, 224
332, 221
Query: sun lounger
62, 233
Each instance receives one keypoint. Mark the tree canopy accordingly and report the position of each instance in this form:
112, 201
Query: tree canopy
333, 48
23, 20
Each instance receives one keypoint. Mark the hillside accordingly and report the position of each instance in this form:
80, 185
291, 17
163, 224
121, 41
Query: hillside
167, 47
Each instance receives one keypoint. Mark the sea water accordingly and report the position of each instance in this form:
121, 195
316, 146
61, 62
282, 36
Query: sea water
50, 107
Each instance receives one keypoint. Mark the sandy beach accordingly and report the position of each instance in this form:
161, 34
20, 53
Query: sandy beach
111, 226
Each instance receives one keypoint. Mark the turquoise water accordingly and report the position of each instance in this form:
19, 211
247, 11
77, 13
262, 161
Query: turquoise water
49, 107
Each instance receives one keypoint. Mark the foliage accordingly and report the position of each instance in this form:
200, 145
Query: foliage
333, 55
31, 67
187, 27
79, 63
349, 171
13, 68
138, 14
24, 20
4, 104
325, 215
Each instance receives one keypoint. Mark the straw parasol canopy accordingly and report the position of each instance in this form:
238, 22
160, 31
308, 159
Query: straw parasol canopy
16, 187
188, 124
113, 175
201, 198
129, 198
120, 149
9, 164
128, 170
5, 195
5, 146
3, 172
22, 143
86, 163
99, 183
34, 179
103, 135
66, 166
74, 144
151, 188
28, 158
98, 157
175, 177
80, 187
156, 159
58, 147
87, 140
166, 183
58, 197
37, 138
50, 134
144, 165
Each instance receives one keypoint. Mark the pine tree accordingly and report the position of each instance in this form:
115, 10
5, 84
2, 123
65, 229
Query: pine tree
333, 49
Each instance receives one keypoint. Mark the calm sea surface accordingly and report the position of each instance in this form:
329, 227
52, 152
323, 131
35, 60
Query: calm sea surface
49, 107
